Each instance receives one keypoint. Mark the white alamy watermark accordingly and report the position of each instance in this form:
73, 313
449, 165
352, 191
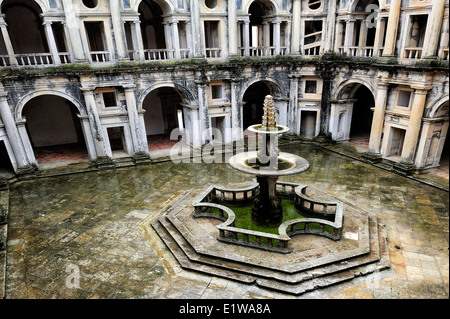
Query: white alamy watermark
371, 20
73, 279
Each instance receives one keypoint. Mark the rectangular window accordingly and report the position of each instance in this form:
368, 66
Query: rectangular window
109, 99
310, 87
126, 4
404, 98
216, 92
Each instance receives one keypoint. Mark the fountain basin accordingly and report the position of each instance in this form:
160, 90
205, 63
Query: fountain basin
247, 162
260, 129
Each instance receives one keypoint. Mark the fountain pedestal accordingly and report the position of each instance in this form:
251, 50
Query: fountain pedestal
267, 209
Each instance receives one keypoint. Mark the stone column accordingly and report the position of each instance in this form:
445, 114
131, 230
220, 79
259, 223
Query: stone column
246, 38
266, 34
277, 36
168, 38
327, 74
232, 28
51, 42
392, 28
331, 25
189, 37
119, 32
139, 142
23, 165
176, 40
378, 34
137, 36
196, 29
293, 101
203, 111
296, 27
8, 44
415, 120
349, 33
339, 36
433, 32
236, 110
74, 31
94, 119
378, 118
287, 37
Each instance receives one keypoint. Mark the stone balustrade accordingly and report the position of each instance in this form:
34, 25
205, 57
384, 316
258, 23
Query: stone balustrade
207, 206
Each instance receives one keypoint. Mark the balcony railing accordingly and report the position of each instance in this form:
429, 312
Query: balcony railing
35, 59
213, 52
412, 53
185, 53
311, 49
360, 51
38, 59
100, 56
64, 57
158, 54
4, 60
263, 51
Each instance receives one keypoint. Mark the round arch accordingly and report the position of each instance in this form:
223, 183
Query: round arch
269, 4
350, 86
166, 6
353, 5
42, 4
435, 106
185, 94
25, 99
275, 89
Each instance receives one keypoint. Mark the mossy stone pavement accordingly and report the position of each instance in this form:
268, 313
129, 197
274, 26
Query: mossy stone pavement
98, 222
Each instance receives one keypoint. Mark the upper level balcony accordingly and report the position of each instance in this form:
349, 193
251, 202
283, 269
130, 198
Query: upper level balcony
153, 35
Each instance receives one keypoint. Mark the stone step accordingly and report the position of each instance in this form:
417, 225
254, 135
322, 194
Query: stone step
186, 263
257, 263
283, 281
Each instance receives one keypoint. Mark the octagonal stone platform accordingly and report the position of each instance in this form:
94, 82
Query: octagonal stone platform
313, 262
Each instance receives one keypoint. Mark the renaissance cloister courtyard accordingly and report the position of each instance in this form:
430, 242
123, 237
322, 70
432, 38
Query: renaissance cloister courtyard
98, 222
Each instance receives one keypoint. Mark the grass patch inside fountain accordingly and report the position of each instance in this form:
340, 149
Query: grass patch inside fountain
243, 212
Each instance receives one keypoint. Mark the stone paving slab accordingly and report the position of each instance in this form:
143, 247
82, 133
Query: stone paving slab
94, 216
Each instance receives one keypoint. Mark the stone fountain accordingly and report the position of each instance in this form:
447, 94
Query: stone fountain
203, 229
268, 164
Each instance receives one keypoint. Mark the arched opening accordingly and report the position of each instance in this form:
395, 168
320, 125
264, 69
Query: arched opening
6, 167
54, 130
163, 114
438, 152
152, 29
261, 32
254, 100
362, 114
26, 31
352, 115
257, 36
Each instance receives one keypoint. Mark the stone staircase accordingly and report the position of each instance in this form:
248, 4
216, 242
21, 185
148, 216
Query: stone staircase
315, 262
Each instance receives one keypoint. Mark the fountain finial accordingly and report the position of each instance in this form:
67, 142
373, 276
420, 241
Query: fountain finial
268, 120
